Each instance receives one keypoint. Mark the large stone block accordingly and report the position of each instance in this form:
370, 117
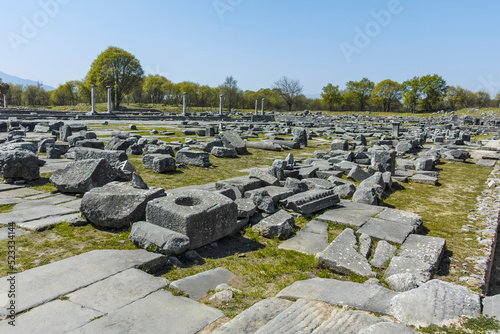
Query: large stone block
117, 205
231, 139
279, 225
112, 157
193, 158
19, 165
386, 158
311, 201
164, 241
201, 215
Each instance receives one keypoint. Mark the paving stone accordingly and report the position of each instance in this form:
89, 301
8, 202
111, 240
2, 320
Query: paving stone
386, 230
405, 217
59, 316
158, 312
4, 232
350, 214
311, 239
365, 245
383, 253
118, 290
34, 213
167, 242
49, 282
491, 306
346, 321
19, 193
402, 282
387, 328
486, 163
342, 256
198, 286
424, 179
5, 187
435, 302
279, 225
44, 223
255, 317
365, 297
418, 255
74, 205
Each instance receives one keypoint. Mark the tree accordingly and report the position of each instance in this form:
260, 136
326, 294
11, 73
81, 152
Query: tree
388, 94
411, 93
4, 88
331, 95
65, 94
289, 90
154, 86
483, 98
35, 95
362, 91
231, 92
15, 95
433, 89
117, 68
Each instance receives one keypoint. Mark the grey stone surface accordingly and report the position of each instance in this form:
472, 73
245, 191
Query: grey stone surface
243, 183
435, 302
27, 213
19, 165
386, 230
424, 179
156, 313
383, 253
49, 282
300, 136
386, 158
167, 242
263, 175
44, 223
295, 185
112, 157
339, 144
424, 163
164, 164
117, 291
311, 201
491, 306
246, 207
82, 176
486, 162
350, 214
262, 200
311, 239
201, 215
117, 205
345, 191
361, 296
357, 174
59, 316
346, 321
4, 232
404, 217
198, 286
279, 225
192, 158
342, 256
387, 328
402, 282
231, 139
365, 245
224, 152
255, 317
368, 194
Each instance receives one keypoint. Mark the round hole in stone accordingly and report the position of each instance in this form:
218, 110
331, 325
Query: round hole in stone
187, 201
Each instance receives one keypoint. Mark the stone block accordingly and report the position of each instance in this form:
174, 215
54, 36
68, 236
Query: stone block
153, 237
279, 225
311, 201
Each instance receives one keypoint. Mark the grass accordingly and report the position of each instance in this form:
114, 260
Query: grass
479, 325
6, 208
444, 209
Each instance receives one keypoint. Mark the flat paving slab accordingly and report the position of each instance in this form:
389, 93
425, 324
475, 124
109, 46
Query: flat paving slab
312, 239
44, 223
382, 229
4, 232
365, 297
159, 312
46, 283
59, 316
26, 213
5, 186
118, 290
19, 193
198, 286
350, 214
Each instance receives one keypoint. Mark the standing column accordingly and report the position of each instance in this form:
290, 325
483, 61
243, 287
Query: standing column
184, 104
220, 104
110, 105
5, 100
395, 130
93, 99
262, 106
256, 106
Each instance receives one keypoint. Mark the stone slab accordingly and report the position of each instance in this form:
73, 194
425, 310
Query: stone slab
491, 306
346, 321
350, 214
197, 286
365, 297
159, 312
405, 217
6, 187
424, 179
118, 290
19, 215
486, 163
312, 239
19, 193
59, 316
44, 223
4, 233
74, 205
49, 282
387, 328
255, 317
386, 230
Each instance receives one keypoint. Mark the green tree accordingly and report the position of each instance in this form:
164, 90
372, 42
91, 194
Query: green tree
65, 94
433, 89
117, 68
35, 95
388, 94
411, 93
362, 91
331, 96
154, 86
15, 95
231, 92
455, 97
289, 90
4, 89
483, 99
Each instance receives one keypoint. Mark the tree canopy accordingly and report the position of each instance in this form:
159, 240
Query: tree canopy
361, 91
289, 90
331, 95
117, 68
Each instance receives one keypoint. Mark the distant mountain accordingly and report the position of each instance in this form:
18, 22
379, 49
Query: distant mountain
18, 81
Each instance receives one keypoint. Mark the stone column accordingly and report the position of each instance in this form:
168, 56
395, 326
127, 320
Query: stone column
220, 104
395, 130
262, 112
93, 99
256, 106
110, 104
5, 100
184, 104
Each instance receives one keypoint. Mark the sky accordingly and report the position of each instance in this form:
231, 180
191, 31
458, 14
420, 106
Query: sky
258, 41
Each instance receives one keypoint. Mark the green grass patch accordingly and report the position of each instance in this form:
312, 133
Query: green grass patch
6, 208
480, 325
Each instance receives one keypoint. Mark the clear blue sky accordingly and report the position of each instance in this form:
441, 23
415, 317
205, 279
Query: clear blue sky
258, 41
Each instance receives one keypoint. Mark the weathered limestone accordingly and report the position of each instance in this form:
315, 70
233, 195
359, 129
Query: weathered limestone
311, 239
435, 302
112, 157
424, 163
383, 253
402, 282
202, 216
424, 179
386, 230
339, 144
386, 158
243, 183
342, 256
264, 176
279, 225
311, 201
148, 236
224, 152
198, 286
82, 176
350, 214
19, 164
231, 139
193, 158
387, 328
357, 174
